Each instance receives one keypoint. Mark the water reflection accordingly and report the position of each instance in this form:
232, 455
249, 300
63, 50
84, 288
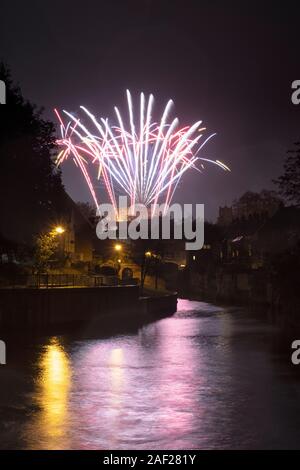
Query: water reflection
52, 396
204, 378
116, 373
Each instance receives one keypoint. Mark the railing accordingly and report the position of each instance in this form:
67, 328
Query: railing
48, 281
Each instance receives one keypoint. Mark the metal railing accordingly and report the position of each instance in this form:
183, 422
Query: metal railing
48, 281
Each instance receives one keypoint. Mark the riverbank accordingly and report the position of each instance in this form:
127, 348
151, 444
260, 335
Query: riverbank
251, 289
70, 306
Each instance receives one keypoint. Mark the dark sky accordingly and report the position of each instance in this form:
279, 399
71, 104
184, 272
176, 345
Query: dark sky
230, 65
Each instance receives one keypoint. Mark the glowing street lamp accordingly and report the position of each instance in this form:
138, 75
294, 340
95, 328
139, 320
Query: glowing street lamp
118, 247
148, 254
59, 230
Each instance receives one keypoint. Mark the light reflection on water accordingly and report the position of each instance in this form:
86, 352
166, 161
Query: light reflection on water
205, 378
52, 396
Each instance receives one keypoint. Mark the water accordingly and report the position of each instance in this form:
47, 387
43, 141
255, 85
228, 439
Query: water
207, 378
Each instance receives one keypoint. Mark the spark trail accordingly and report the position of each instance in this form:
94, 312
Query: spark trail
139, 157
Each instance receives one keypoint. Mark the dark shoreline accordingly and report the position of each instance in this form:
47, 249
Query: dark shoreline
100, 310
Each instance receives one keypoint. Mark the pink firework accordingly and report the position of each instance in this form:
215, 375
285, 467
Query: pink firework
144, 160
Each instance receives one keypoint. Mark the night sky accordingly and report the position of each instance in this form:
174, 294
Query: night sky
228, 64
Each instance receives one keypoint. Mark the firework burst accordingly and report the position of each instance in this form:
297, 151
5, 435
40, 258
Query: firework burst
144, 159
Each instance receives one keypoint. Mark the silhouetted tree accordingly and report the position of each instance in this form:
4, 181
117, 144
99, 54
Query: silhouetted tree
87, 210
30, 185
250, 203
289, 183
46, 245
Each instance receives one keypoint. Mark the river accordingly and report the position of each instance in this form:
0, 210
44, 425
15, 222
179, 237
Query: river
206, 378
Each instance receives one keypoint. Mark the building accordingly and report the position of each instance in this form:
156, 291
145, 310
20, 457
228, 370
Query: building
250, 205
77, 239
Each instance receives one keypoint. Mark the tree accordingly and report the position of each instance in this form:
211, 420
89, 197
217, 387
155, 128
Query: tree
255, 204
289, 183
30, 185
46, 245
87, 210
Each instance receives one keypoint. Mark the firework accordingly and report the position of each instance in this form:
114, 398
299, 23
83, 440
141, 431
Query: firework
143, 159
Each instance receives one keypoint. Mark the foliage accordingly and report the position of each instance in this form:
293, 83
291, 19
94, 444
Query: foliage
30, 186
252, 202
46, 245
87, 210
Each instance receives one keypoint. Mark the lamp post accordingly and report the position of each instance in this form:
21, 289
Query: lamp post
118, 248
58, 231
144, 267
149, 256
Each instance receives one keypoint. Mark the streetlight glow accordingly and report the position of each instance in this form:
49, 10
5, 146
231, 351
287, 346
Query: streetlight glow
59, 229
118, 247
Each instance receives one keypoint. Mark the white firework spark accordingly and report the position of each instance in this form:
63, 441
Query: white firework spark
144, 160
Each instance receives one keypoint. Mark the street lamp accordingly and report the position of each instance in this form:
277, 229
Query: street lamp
59, 230
118, 249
